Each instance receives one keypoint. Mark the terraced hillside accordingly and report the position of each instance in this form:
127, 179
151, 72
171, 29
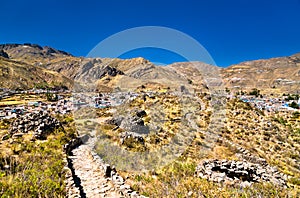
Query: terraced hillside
266, 145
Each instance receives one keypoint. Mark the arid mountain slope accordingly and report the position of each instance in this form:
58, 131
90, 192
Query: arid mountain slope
15, 74
32, 53
272, 75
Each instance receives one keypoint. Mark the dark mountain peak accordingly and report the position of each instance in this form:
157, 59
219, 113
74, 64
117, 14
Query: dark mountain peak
28, 49
34, 46
50, 50
3, 54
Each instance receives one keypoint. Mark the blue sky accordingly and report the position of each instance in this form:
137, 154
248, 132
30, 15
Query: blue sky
232, 31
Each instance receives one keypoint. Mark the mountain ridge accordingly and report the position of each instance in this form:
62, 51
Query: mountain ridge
273, 75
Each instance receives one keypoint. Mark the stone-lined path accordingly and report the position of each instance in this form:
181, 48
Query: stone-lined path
90, 177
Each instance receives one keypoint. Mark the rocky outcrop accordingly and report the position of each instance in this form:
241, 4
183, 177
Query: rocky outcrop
134, 122
111, 71
39, 123
91, 70
3, 54
140, 113
239, 172
142, 71
117, 120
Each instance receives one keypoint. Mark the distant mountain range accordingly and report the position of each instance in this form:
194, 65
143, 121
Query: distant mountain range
26, 66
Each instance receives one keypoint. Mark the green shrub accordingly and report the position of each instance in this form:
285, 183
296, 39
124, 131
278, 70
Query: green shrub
294, 105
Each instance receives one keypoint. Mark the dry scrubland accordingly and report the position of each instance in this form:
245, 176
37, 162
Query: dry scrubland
272, 137
35, 168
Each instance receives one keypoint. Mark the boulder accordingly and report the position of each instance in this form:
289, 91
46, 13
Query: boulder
134, 124
115, 121
141, 113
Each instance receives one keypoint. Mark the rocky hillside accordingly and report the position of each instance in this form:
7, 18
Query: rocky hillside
273, 75
15, 74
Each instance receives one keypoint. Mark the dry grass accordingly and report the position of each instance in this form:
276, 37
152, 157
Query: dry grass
35, 168
177, 179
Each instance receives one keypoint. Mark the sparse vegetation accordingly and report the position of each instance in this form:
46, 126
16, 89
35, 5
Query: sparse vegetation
177, 180
34, 169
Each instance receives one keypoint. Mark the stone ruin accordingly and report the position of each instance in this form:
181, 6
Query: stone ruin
240, 173
39, 123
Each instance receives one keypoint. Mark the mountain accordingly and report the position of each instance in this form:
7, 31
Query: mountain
275, 75
32, 53
271, 75
19, 67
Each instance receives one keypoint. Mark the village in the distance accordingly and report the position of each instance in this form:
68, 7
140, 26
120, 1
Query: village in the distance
15, 103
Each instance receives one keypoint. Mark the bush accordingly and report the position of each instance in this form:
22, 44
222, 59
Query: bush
280, 120
51, 97
292, 97
254, 92
294, 105
296, 114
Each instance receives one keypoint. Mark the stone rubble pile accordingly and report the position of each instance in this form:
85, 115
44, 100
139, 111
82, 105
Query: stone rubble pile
239, 172
40, 123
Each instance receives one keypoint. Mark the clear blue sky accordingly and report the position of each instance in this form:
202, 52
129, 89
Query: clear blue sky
231, 30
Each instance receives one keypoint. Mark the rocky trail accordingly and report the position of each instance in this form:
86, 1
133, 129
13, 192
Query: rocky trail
90, 177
